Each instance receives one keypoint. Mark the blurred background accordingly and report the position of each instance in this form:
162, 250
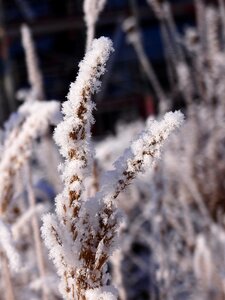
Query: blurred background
59, 34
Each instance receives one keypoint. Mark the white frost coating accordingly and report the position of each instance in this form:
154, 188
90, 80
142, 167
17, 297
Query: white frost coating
34, 73
145, 149
73, 138
50, 234
83, 233
73, 133
92, 9
14, 156
102, 218
7, 245
106, 293
89, 75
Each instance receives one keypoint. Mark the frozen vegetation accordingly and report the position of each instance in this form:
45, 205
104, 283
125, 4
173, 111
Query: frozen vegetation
137, 215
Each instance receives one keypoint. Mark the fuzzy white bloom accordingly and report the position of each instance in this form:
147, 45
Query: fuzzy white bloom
34, 73
8, 248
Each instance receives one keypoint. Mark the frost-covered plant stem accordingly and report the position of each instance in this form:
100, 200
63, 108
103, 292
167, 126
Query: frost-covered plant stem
33, 70
16, 155
36, 232
73, 137
100, 217
92, 9
134, 37
145, 149
83, 233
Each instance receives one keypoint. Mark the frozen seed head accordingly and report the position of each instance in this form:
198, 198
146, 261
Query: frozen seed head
78, 108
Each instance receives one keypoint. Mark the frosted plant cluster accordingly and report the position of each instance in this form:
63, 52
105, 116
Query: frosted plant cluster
15, 156
174, 232
83, 233
126, 225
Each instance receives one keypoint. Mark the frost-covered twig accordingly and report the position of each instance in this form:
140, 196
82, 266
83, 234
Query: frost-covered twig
100, 217
33, 70
16, 155
134, 37
144, 150
92, 9
73, 137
